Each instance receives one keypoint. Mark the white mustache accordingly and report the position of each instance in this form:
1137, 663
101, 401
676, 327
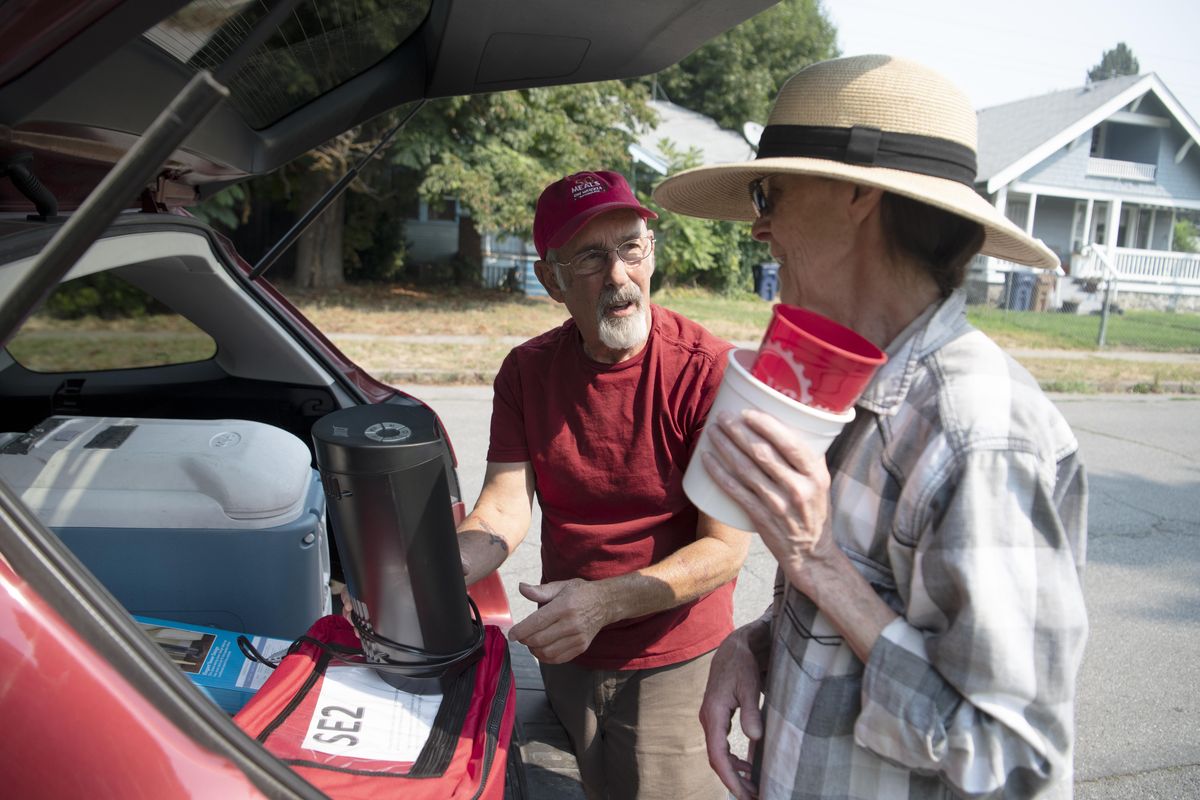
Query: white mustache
629, 293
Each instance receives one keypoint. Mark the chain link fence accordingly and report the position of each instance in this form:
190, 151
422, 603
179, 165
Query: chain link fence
1146, 301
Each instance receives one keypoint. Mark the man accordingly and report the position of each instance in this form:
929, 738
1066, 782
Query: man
599, 417
929, 621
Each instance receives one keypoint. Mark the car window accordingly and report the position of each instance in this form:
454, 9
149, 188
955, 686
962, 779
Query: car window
321, 46
102, 322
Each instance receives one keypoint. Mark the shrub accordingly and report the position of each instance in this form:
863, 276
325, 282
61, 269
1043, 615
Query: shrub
101, 295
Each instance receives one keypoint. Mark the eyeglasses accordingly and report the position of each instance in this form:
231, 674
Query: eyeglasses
759, 198
592, 262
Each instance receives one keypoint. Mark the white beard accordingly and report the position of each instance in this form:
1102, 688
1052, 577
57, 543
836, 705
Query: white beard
623, 333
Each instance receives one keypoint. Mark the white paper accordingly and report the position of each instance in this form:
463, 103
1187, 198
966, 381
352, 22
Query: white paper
360, 716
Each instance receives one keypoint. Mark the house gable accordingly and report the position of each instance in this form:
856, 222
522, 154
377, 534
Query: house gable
1133, 119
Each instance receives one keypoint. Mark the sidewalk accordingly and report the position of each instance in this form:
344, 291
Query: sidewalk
1113, 355
1017, 353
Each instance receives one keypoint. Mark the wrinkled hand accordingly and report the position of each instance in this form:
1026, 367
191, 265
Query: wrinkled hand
733, 683
781, 483
572, 613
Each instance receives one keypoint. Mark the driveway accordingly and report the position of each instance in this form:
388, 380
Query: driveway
1139, 694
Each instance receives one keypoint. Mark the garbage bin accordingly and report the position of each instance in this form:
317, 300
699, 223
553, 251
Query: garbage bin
1019, 289
766, 280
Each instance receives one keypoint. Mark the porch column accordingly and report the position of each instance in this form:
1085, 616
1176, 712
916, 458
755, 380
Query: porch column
1029, 213
1112, 230
1001, 203
1087, 223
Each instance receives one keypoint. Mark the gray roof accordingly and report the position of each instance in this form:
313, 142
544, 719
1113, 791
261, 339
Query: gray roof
1009, 132
688, 129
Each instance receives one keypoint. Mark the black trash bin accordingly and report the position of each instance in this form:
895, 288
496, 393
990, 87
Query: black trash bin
1019, 289
766, 280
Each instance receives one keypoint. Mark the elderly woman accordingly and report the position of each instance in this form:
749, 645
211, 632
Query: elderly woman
928, 623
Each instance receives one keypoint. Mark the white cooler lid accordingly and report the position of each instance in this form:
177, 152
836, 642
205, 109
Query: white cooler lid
159, 473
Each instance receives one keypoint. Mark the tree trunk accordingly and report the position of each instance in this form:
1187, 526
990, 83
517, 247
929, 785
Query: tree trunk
319, 250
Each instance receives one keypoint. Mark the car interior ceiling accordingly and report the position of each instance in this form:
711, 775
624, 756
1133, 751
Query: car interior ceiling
258, 372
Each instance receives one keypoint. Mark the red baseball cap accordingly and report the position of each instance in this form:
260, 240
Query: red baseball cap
571, 202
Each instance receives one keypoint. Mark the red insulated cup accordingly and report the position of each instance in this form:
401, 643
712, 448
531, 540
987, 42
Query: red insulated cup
814, 360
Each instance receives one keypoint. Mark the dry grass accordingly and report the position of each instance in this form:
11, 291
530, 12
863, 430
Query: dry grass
493, 320
400, 310
456, 363
1095, 374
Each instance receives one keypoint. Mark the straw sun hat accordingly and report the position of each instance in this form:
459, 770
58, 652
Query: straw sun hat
873, 120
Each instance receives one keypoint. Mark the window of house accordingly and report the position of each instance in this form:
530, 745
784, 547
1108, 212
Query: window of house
444, 211
102, 322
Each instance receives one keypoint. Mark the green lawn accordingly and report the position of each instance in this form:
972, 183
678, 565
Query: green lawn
1155, 331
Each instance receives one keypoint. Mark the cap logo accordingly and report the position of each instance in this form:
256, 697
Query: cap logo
584, 187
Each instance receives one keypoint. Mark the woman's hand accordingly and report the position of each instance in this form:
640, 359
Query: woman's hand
768, 469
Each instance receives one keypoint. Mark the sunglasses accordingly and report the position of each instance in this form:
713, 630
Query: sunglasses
759, 198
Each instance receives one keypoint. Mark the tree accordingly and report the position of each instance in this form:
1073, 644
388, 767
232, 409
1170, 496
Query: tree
715, 254
734, 78
1114, 63
496, 152
1186, 238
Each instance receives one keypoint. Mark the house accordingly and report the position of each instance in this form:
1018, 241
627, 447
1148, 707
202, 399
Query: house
686, 130
506, 258
434, 235
1100, 173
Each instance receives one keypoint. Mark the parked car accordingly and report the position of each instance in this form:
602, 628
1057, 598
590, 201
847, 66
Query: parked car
91, 706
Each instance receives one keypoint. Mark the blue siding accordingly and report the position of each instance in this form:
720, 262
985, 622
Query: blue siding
1052, 224
1162, 230
1067, 168
1182, 180
1132, 143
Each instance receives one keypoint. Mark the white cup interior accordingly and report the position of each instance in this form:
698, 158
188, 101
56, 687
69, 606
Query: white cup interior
740, 390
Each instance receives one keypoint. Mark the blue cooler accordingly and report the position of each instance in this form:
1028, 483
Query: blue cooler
210, 522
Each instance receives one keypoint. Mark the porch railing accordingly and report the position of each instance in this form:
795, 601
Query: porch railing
1123, 170
1142, 266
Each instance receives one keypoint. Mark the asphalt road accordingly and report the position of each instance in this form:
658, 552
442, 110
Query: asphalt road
1138, 723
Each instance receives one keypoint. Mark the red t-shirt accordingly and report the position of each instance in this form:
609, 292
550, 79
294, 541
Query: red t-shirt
609, 444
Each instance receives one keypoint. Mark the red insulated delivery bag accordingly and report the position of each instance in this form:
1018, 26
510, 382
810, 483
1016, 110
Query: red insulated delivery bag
353, 736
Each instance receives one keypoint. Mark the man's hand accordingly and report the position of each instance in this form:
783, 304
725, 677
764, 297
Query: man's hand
573, 612
734, 683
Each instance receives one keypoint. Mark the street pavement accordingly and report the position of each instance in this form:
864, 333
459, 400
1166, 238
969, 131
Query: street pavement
1138, 721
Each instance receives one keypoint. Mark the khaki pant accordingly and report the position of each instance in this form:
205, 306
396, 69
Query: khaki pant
636, 733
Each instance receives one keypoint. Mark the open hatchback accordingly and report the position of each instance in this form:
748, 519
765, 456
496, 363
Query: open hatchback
112, 116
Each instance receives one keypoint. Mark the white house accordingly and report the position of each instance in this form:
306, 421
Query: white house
1100, 174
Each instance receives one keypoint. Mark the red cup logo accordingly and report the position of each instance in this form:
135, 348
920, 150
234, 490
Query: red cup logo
778, 368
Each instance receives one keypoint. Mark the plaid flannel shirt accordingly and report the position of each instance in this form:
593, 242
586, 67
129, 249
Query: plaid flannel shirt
958, 493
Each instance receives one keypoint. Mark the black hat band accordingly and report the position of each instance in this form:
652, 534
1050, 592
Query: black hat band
871, 147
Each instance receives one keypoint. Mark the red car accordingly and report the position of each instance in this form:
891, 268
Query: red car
91, 706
